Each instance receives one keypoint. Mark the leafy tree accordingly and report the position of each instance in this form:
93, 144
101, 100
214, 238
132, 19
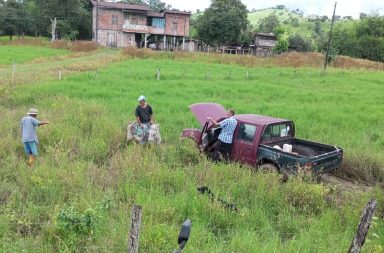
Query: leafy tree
281, 46
317, 28
74, 17
269, 23
300, 43
14, 18
223, 22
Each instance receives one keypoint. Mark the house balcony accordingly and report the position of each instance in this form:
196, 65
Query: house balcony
131, 28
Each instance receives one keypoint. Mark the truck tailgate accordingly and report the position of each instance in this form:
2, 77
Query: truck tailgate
328, 161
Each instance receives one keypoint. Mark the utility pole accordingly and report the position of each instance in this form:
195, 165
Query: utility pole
329, 39
54, 23
97, 22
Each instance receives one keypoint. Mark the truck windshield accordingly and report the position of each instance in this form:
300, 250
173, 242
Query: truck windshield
277, 131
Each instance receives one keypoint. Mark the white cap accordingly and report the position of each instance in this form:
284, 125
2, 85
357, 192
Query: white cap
141, 98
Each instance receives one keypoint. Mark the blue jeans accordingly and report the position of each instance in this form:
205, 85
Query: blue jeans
30, 148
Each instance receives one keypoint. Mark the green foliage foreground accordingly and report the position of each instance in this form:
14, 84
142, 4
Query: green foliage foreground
79, 195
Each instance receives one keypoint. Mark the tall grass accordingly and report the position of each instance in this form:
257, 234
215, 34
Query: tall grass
78, 196
290, 60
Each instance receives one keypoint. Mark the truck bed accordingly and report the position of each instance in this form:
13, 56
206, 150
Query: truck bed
304, 148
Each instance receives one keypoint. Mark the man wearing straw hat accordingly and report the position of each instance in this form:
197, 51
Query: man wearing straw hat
28, 132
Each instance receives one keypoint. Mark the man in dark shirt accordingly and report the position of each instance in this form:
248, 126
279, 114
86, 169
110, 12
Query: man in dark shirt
144, 117
143, 113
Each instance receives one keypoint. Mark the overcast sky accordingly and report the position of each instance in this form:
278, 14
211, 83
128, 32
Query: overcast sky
320, 7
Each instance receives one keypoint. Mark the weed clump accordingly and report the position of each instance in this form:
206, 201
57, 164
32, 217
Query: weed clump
75, 46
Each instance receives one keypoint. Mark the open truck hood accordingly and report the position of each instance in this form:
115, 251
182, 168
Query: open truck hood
204, 110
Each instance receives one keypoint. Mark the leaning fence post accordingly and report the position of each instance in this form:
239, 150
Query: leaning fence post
134, 231
363, 227
158, 74
13, 73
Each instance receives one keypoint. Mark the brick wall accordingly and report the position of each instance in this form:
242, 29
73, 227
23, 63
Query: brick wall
112, 38
176, 24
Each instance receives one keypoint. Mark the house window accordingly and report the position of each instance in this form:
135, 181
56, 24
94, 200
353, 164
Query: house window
114, 20
174, 27
134, 21
246, 132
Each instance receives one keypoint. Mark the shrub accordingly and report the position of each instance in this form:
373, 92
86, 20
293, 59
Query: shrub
73, 229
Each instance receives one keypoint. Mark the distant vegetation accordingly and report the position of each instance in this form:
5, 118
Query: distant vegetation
363, 38
310, 33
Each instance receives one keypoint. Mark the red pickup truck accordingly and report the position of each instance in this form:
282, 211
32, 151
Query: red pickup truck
262, 141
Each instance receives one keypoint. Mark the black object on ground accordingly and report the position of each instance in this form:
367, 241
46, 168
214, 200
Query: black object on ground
212, 197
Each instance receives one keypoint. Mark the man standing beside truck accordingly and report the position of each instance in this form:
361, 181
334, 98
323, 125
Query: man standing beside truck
224, 143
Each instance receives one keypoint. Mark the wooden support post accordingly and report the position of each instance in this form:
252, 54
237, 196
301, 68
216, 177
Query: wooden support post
363, 227
134, 231
59, 74
158, 74
165, 43
329, 38
183, 43
13, 73
145, 40
53, 31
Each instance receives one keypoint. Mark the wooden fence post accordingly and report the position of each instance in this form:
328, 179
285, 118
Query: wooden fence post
158, 74
59, 74
134, 231
13, 73
363, 227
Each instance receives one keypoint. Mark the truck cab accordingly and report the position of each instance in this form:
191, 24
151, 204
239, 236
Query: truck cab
263, 141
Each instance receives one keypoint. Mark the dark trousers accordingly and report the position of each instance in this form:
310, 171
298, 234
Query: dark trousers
222, 151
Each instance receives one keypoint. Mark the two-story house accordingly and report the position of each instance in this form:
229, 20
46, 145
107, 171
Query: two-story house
123, 25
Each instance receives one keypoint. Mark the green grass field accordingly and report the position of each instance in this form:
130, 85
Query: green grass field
21, 54
78, 196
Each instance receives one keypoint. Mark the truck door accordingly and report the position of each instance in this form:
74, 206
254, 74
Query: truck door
244, 146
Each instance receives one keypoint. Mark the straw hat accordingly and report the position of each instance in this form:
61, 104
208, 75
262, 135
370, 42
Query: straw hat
32, 111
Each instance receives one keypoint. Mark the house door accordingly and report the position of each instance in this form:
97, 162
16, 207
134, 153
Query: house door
111, 39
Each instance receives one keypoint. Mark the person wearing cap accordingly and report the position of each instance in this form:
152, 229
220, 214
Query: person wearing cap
144, 115
28, 126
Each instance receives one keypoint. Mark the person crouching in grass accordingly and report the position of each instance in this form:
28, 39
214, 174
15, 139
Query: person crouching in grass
28, 126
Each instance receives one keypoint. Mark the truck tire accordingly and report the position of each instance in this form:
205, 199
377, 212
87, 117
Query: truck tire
268, 167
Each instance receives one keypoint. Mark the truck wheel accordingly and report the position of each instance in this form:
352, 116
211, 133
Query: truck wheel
268, 167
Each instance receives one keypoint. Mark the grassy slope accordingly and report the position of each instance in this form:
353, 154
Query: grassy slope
21, 54
85, 164
305, 28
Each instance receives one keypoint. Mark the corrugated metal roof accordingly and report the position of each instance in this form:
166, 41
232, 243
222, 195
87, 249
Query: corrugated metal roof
178, 12
155, 14
113, 5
